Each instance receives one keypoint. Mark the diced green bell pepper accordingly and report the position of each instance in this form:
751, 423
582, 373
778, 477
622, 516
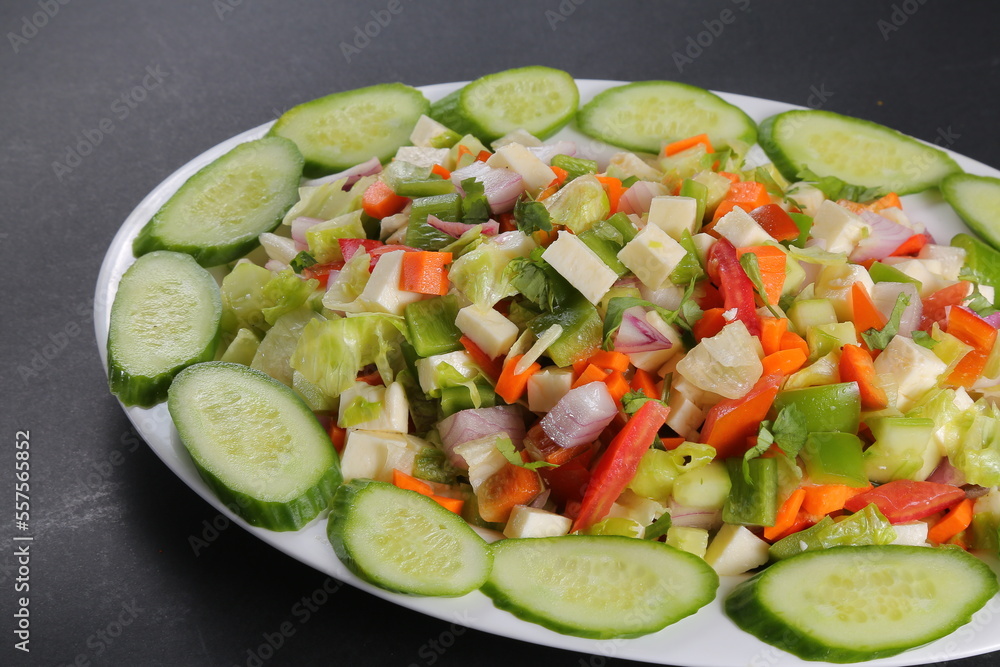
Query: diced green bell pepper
831, 407
834, 458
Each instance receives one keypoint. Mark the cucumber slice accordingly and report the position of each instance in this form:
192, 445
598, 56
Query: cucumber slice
165, 317
255, 443
344, 129
977, 200
847, 604
856, 151
540, 100
645, 115
402, 541
217, 215
601, 587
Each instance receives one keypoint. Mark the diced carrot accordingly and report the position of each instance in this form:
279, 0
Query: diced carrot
671, 444
710, 323
617, 384
561, 176
645, 382
852, 206
451, 504
802, 521
483, 156
590, 374
771, 330
424, 272
856, 365
610, 361
462, 150
891, 200
615, 190
511, 387
785, 362
771, 262
787, 513
441, 171
790, 340
910, 246
506, 221
748, 195
951, 524
975, 331
500, 492
683, 144
338, 436
724, 207
579, 366
481, 359
547, 192
404, 481
379, 201
733, 178
822, 499
731, 421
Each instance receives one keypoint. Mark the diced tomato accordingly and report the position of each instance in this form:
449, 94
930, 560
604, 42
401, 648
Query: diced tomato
321, 272
350, 247
905, 500
737, 290
775, 222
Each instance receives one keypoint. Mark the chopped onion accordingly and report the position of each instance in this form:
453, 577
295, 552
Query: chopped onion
993, 320
547, 152
669, 296
636, 334
946, 473
300, 226
467, 425
275, 266
580, 416
540, 499
502, 187
638, 198
277, 247
372, 166
694, 517
884, 237
456, 229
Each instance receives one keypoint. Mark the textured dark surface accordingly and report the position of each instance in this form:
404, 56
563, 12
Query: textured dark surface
111, 522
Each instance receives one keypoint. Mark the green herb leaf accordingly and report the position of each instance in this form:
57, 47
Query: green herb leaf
790, 430
764, 441
531, 216
633, 400
876, 339
923, 338
475, 208
658, 528
690, 266
541, 284
979, 304
301, 261
510, 453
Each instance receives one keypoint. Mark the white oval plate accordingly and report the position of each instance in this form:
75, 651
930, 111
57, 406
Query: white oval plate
707, 639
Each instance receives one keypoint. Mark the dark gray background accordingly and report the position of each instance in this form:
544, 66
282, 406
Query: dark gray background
112, 523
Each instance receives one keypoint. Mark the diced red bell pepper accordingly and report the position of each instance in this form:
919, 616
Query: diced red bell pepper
730, 422
910, 246
934, 305
321, 272
737, 291
775, 222
618, 464
977, 332
350, 247
905, 500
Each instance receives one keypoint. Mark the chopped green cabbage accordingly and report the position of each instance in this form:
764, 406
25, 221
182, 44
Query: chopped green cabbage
482, 277
323, 237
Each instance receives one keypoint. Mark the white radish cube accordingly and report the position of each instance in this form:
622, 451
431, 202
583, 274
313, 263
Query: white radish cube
527, 521
580, 266
382, 293
839, 229
633, 165
741, 230
519, 136
536, 174
685, 416
547, 386
651, 256
927, 271
487, 328
674, 215
736, 550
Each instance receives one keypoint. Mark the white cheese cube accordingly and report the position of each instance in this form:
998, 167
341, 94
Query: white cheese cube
703, 243
382, 293
914, 367
422, 156
425, 131
685, 417
674, 215
884, 296
741, 230
375, 454
536, 174
927, 271
631, 164
392, 407
651, 256
839, 229
547, 386
806, 196
735, 550
427, 369
630, 505
580, 266
487, 328
527, 521
951, 259
834, 282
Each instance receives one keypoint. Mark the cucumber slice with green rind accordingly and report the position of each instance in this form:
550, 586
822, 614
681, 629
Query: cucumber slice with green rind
538, 99
977, 200
341, 130
600, 587
255, 443
402, 541
847, 604
645, 115
856, 151
165, 317
217, 215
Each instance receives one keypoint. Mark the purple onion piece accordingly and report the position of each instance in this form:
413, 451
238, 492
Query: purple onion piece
353, 175
580, 416
636, 334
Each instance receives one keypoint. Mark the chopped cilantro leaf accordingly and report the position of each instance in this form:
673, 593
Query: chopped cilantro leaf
878, 340
506, 448
531, 216
923, 338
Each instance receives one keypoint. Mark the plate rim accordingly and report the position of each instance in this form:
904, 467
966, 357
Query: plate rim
738, 649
